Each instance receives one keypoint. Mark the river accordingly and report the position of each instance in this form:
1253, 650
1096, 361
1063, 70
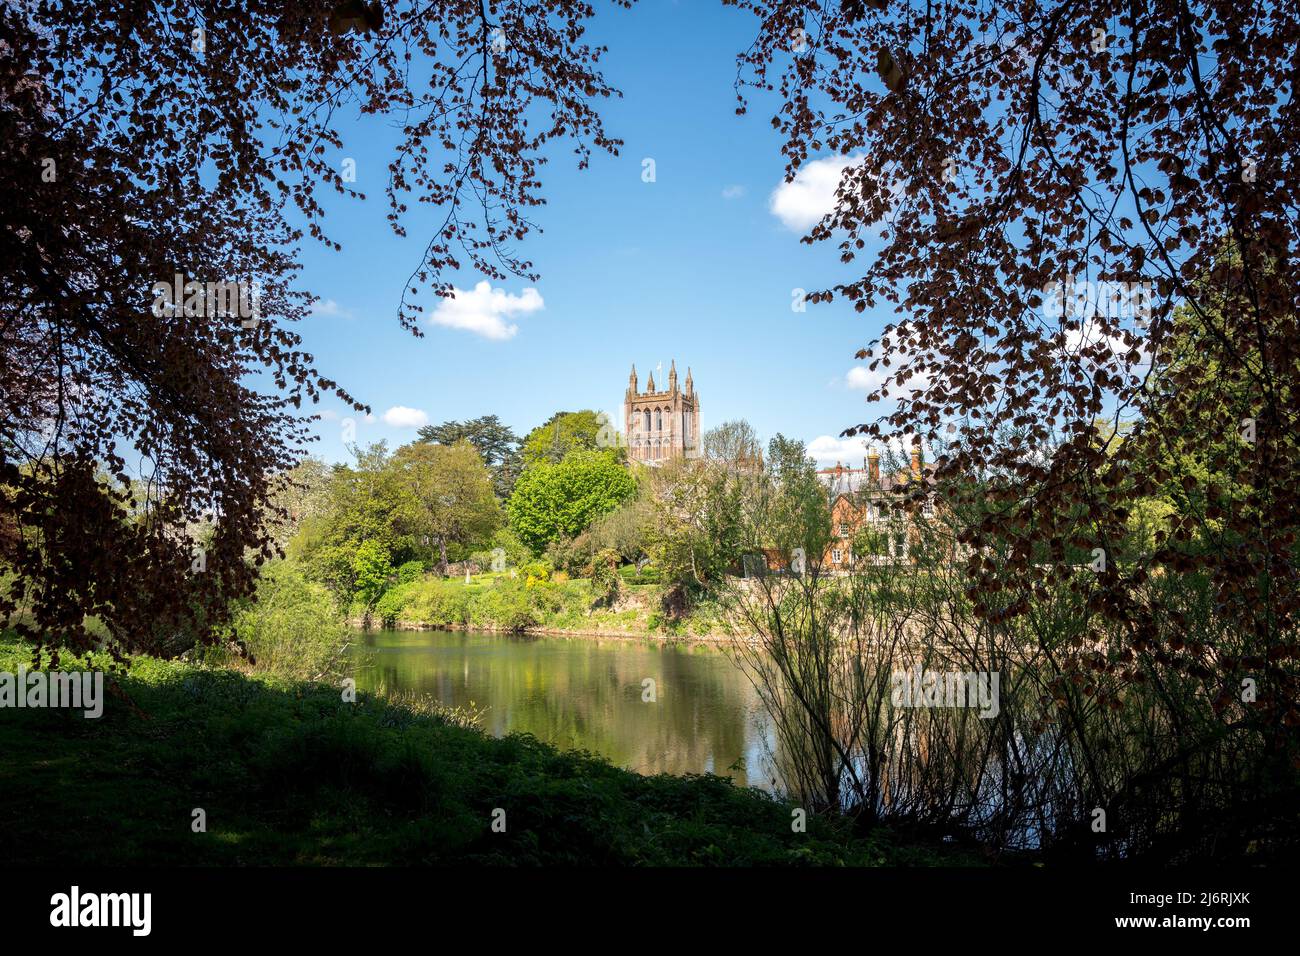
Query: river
587, 693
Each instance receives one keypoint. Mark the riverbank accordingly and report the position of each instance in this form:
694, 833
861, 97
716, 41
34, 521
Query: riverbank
285, 772
523, 605
666, 637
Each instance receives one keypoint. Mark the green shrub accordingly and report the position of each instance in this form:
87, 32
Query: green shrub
510, 604
391, 604
433, 603
605, 582
293, 629
538, 570
571, 554
506, 605
548, 598
410, 571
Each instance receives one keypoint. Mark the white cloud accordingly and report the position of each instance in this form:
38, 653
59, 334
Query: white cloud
329, 415
328, 308
864, 378
802, 203
1114, 355
733, 192
485, 310
1090, 334
868, 380
827, 450
399, 416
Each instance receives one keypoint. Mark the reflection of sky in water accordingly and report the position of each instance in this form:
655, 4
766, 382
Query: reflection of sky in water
586, 694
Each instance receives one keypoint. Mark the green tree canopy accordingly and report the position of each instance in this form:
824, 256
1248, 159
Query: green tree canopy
363, 504
449, 493
696, 529
495, 442
796, 509
565, 432
561, 499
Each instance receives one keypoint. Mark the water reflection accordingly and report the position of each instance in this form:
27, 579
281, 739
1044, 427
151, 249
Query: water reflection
587, 694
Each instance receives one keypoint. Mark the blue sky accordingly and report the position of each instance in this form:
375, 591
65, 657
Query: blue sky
695, 266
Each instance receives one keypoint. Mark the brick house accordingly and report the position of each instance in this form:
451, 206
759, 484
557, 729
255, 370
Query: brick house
862, 498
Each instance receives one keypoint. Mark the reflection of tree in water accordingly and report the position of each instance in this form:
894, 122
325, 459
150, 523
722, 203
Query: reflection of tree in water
586, 694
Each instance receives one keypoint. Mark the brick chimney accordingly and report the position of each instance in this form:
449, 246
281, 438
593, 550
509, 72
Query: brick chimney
916, 461
873, 468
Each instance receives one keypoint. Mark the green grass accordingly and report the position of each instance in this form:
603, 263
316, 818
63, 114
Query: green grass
290, 774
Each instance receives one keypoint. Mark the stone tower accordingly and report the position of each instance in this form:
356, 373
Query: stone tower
661, 424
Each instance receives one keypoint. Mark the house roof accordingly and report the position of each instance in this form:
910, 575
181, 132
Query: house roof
852, 481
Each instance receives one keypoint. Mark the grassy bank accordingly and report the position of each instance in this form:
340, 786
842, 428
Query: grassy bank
287, 773
504, 603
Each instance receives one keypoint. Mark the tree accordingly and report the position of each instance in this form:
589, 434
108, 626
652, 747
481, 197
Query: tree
697, 530
605, 582
795, 509
565, 432
372, 567
1053, 183
497, 445
451, 493
551, 501
733, 444
147, 143
365, 506
300, 495
624, 530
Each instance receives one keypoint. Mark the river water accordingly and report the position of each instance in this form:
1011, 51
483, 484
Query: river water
589, 693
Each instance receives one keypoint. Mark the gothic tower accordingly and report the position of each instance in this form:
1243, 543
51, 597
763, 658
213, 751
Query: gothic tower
661, 424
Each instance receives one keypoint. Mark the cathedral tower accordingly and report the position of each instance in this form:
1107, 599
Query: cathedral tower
661, 424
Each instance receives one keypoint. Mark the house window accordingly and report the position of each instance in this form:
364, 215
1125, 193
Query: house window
659, 420
844, 528
835, 556
647, 419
